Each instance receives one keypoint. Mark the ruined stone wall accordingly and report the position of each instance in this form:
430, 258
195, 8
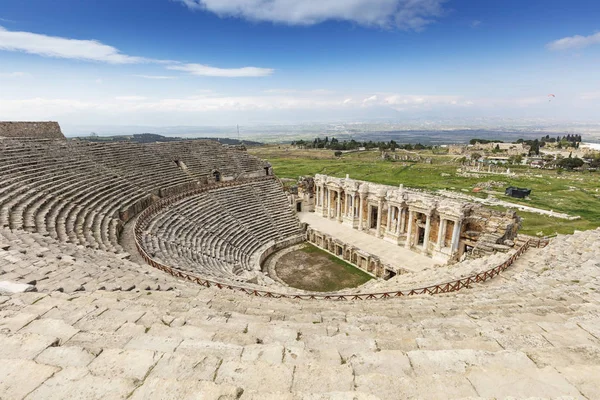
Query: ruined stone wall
34, 130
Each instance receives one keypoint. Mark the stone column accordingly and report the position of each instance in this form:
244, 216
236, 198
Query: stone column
441, 232
427, 232
402, 220
388, 228
408, 243
456, 236
379, 216
346, 204
339, 206
360, 211
353, 207
318, 196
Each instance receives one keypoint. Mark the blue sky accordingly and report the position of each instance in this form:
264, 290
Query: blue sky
222, 62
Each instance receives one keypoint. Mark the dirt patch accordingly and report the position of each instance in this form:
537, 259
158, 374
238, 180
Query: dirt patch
313, 269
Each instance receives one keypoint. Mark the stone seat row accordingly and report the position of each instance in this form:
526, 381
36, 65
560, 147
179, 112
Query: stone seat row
60, 202
200, 157
83, 192
227, 224
134, 162
206, 231
51, 265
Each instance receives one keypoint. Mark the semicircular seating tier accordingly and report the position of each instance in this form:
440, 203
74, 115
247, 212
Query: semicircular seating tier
83, 192
222, 232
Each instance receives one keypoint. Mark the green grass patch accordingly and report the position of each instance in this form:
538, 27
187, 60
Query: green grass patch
313, 269
573, 193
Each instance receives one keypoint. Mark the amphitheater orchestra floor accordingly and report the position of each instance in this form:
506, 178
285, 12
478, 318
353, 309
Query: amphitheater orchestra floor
387, 252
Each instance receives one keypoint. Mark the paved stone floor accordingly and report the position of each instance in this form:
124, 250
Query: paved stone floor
387, 252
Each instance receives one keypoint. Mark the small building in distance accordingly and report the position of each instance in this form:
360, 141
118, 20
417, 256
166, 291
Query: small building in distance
518, 193
511, 149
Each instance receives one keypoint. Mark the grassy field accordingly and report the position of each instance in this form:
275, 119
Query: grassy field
313, 269
574, 193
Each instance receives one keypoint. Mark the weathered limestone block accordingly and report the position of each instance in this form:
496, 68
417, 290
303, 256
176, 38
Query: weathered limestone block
317, 378
12, 321
8, 288
426, 362
155, 343
77, 383
65, 356
454, 386
170, 389
585, 378
269, 353
132, 364
20, 377
24, 346
189, 367
521, 383
52, 327
385, 362
256, 375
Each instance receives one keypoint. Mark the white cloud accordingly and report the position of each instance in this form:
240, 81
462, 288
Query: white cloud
59, 47
401, 14
322, 92
132, 104
158, 77
13, 75
130, 98
574, 42
92, 50
205, 70
371, 99
475, 23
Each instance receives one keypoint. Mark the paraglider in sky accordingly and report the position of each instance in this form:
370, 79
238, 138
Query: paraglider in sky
550, 96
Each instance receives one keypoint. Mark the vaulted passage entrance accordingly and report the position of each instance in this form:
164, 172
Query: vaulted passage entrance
374, 215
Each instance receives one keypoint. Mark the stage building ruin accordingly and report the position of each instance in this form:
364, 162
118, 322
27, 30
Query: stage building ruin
435, 226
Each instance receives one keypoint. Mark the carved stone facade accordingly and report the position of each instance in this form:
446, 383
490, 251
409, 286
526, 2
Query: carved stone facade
436, 226
35, 130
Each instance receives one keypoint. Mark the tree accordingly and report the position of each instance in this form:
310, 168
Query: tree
475, 156
535, 148
570, 163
